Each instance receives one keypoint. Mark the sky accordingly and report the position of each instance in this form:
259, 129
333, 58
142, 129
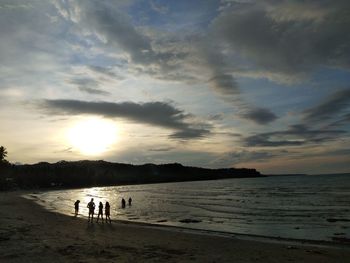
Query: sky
226, 83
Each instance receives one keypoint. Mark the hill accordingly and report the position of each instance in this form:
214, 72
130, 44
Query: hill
65, 174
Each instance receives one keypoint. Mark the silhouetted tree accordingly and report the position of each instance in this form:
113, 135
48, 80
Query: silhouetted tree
3, 153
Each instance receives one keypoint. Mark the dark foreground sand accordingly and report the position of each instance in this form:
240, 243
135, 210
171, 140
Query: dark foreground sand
28, 233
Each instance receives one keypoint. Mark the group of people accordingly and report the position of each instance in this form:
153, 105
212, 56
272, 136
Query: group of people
107, 209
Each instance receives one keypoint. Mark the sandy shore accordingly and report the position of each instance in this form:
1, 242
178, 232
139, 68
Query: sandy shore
29, 233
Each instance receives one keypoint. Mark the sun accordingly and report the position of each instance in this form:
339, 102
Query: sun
92, 136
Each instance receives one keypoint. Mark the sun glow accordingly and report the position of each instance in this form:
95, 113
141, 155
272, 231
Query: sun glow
93, 136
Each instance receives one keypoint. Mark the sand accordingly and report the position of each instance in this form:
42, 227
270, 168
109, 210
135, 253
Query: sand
29, 233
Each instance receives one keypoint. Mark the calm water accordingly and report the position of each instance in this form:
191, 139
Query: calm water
290, 207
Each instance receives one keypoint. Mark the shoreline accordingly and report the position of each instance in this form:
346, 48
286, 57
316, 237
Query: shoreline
248, 237
30, 195
29, 233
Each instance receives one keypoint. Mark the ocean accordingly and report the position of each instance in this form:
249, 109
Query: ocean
313, 207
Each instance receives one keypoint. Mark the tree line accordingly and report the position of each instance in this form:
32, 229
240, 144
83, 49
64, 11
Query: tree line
64, 174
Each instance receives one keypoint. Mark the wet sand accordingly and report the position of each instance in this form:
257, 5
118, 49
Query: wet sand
29, 233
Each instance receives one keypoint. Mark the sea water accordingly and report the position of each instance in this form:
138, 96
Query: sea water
314, 207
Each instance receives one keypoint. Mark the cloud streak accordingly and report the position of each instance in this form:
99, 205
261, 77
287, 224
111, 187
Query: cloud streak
159, 114
88, 85
259, 115
296, 135
333, 105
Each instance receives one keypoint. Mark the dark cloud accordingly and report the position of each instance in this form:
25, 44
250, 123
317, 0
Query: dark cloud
190, 133
332, 106
221, 81
103, 70
296, 135
343, 120
259, 115
93, 91
287, 37
216, 117
153, 113
225, 85
88, 85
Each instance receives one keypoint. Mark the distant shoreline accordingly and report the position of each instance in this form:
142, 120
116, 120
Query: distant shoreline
101, 173
271, 175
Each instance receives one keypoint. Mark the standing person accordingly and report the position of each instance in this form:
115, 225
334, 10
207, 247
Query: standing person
123, 203
100, 212
130, 200
76, 207
91, 206
107, 212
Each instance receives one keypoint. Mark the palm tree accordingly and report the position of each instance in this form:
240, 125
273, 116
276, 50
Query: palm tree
3, 153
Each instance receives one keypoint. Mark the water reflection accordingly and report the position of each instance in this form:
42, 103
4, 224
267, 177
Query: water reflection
294, 207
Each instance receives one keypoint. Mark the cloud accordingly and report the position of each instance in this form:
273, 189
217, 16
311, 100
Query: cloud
88, 85
30, 44
343, 120
259, 115
163, 56
161, 149
93, 91
105, 71
334, 105
162, 9
225, 85
190, 133
160, 114
114, 27
287, 37
296, 135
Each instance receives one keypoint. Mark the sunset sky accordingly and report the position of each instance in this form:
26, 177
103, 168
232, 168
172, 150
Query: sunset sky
263, 84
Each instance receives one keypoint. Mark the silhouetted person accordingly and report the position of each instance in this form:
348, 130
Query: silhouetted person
130, 200
107, 212
123, 203
100, 212
91, 206
76, 207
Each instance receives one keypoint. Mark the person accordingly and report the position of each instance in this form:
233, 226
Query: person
123, 203
76, 206
91, 206
100, 212
130, 200
107, 212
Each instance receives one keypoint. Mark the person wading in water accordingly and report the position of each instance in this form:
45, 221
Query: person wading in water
76, 207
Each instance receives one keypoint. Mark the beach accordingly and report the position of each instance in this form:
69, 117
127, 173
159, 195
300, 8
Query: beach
29, 233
